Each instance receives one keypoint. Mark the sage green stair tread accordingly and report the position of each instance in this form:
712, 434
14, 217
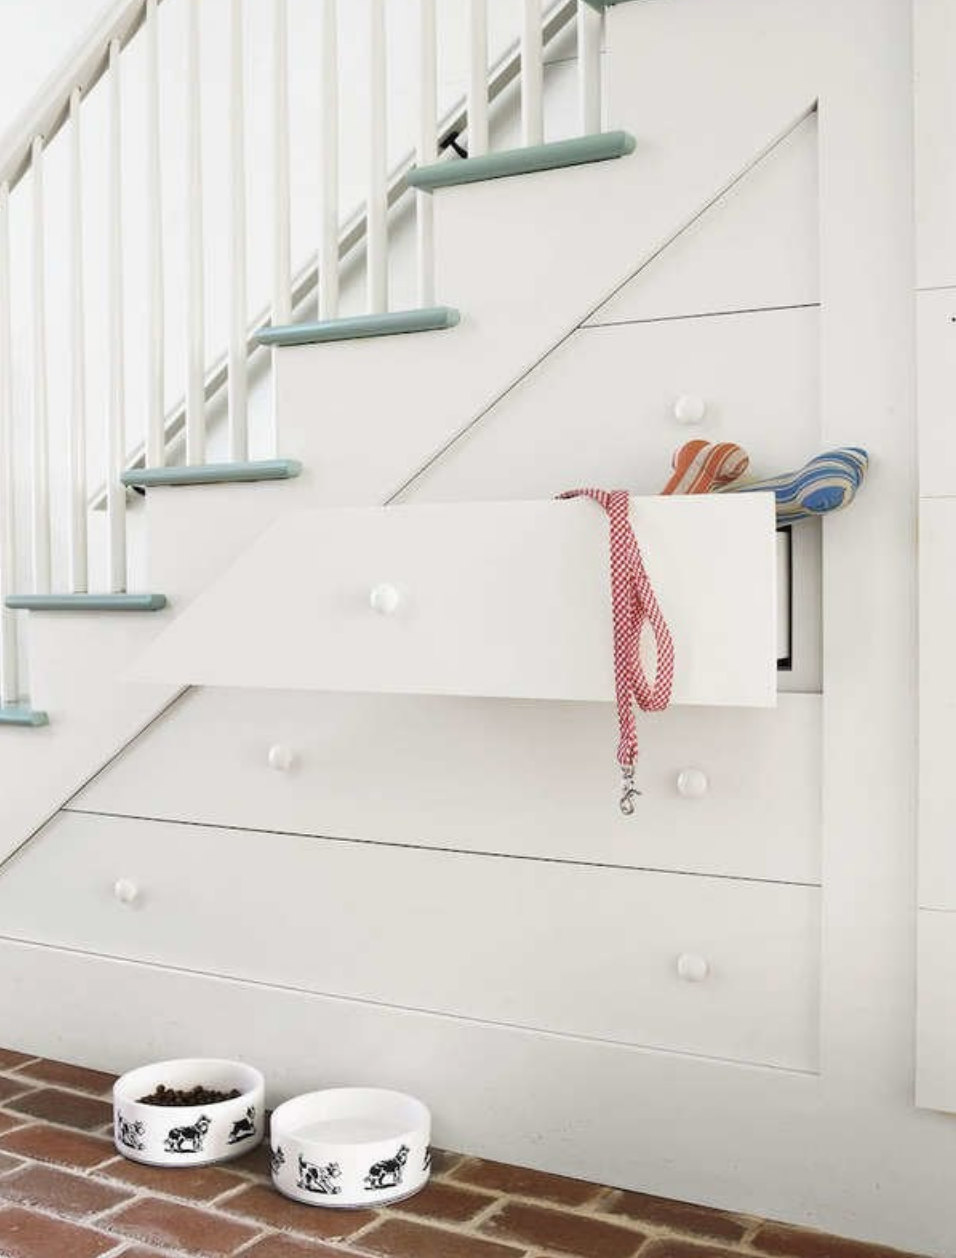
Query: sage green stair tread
213, 473
87, 602
395, 322
20, 715
580, 151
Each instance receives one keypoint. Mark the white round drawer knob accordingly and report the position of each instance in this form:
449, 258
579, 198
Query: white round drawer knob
126, 891
689, 409
691, 968
281, 758
692, 783
384, 599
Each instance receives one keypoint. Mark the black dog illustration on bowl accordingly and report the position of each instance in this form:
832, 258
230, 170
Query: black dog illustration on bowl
130, 1134
188, 1139
388, 1173
243, 1128
319, 1179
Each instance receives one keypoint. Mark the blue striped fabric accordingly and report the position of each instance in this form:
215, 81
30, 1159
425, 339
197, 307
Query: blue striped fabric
827, 483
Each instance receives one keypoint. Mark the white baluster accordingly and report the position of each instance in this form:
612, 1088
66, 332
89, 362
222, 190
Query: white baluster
9, 671
377, 202
282, 251
329, 155
78, 488
238, 360
195, 289
41, 436
589, 68
156, 320
116, 439
532, 74
427, 150
478, 78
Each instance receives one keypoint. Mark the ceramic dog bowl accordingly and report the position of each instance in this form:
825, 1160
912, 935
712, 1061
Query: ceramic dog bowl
351, 1147
165, 1135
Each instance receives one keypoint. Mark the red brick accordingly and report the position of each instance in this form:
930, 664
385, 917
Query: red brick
286, 1247
9, 1059
192, 1183
24, 1234
444, 1162
8, 1163
256, 1162
400, 1238
674, 1247
678, 1216
446, 1203
60, 1192
66, 1108
797, 1242
169, 1224
562, 1231
265, 1206
9, 1121
10, 1086
62, 1073
53, 1144
519, 1181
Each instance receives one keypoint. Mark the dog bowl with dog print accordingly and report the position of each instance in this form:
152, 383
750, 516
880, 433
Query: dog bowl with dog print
189, 1135
351, 1147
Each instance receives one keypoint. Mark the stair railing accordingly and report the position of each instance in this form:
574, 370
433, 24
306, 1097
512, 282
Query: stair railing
59, 108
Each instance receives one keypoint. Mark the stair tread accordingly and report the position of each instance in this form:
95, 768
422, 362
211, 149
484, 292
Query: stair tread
17, 714
213, 473
582, 150
87, 602
428, 319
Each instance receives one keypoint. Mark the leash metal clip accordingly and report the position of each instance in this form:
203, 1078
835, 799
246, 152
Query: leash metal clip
629, 791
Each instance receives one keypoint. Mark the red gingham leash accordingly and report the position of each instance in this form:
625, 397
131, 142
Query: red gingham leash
633, 605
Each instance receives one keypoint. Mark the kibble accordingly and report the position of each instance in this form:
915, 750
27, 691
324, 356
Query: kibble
188, 1096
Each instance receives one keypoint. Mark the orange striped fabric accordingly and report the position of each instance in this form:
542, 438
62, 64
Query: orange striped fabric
700, 467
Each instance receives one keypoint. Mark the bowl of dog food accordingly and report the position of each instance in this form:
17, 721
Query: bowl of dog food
351, 1147
191, 1112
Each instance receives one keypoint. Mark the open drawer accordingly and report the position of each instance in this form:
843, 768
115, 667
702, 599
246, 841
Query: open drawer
498, 599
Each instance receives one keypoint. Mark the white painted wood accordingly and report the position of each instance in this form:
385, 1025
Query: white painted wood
195, 280
427, 147
156, 329
328, 136
238, 300
589, 68
40, 436
477, 77
532, 74
756, 247
281, 174
936, 1006
116, 414
495, 776
9, 655
934, 39
936, 362
611, 976
503, 599
937, 599
377, 198
79, 492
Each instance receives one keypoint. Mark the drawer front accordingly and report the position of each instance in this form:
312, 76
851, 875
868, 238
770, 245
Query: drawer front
505, 599
582, 951
936, 1011
522, 779
600, 409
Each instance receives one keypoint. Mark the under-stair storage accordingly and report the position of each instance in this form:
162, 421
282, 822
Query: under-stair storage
710, 966
505, 599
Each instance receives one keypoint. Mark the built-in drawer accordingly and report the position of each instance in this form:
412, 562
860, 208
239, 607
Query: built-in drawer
519, 778
505, 599
712, 966
936, 1011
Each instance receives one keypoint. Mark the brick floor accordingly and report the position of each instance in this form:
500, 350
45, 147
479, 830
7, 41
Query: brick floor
64, 1193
